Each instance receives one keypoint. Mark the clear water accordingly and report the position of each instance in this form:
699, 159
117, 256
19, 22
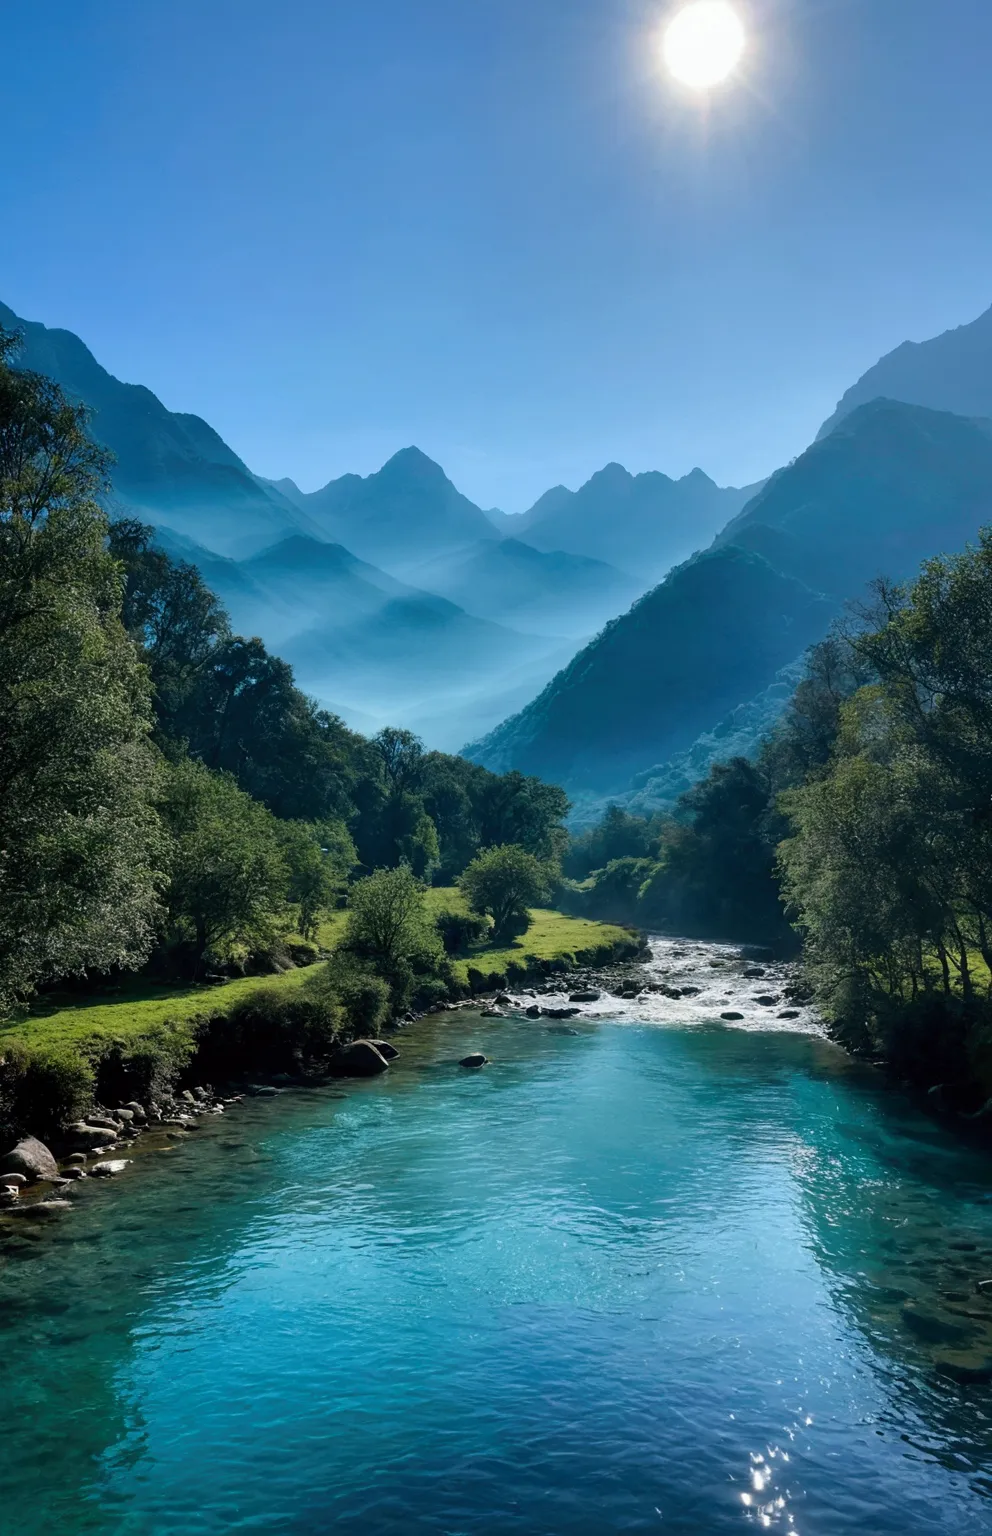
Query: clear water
636, 1279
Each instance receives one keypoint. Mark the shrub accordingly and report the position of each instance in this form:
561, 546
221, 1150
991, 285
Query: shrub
460, 930
43, 1091
267, 1031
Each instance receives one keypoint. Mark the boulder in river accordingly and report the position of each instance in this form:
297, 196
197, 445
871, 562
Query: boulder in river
110, 1168
475, 1061
585, 997
559, 1013
731, 1016
533, 1012
32, 1158
385, 1049
359, 1058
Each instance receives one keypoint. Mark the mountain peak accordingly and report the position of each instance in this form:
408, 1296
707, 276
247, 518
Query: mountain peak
412, 463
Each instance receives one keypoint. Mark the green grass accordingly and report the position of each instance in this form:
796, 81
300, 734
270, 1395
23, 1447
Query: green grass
139, 1007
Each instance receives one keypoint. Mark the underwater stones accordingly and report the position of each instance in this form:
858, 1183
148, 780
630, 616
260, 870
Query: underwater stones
492, 1013
559, 1013
32, 1158
562, 1029
965, 1368
45, 1210
930, 1327
360, 1058
474, 1061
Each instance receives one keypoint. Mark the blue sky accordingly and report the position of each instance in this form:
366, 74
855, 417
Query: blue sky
492, 227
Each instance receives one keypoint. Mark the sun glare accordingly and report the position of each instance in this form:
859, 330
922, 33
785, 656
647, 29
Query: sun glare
703, 43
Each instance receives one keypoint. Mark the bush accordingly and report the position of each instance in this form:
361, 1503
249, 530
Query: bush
267, 1032
460, 930
505, 882
147, 1068
43, 1091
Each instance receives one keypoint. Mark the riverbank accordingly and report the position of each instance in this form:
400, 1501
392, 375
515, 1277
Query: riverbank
144, 1043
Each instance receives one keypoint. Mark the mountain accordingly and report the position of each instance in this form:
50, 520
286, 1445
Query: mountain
405, 513
951, 372
644, 524
713, 633
172, 469
552, 594
892, 485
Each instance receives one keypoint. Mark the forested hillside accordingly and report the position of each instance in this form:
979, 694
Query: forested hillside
890, 486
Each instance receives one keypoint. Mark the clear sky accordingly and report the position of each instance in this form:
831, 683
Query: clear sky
493, 227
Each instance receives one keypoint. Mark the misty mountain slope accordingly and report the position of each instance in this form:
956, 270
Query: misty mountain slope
951, 372
407, 512
713, 633
172, 468
642, 523
891, 486
552, 594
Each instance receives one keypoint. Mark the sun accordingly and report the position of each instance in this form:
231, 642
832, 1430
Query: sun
703, 43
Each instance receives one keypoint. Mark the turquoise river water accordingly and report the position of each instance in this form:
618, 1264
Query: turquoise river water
684, 1279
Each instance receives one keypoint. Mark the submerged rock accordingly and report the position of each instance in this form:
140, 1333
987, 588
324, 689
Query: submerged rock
110, 1169
360, 1058
474, 1061
32, 1158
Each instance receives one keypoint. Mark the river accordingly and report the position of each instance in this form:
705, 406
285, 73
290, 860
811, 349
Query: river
663, 1274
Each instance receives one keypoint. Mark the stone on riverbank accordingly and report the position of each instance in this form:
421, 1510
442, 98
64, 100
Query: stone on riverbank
110, 1169
360, 1058
32, 1158
83, 1137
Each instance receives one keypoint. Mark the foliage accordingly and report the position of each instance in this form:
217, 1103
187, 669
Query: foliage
505, 881
619, 835
78, 842
318, 861
390, 933
460, 930
227, 873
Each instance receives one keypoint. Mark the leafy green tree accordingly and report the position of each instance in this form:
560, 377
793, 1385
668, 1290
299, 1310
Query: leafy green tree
619, 835
319, 860
228, 876
505, 882
390, 933
78, 833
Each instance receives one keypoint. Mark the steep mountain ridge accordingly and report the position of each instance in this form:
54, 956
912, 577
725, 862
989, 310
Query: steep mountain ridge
172, 468
892, 485
950, 372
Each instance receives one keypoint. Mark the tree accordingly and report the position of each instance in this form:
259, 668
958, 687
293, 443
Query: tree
390, 934
505, 882
78, 833
319, 860
228, 875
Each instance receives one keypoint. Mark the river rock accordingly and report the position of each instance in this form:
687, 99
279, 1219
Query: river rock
474, 1061
360, 1058
75, 1173
138, 1112
767, 1000
561, 1029
930, 1327
13, 1180
83, 1137
789, 1013
559, 1013
492, 1013
731, 1015
533, 1012
32, 1158
386, 1050
107, 1122
585, 997
109, 1169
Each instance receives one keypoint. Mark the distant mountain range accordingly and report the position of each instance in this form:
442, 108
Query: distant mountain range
395, 596
891, 485
398, 599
